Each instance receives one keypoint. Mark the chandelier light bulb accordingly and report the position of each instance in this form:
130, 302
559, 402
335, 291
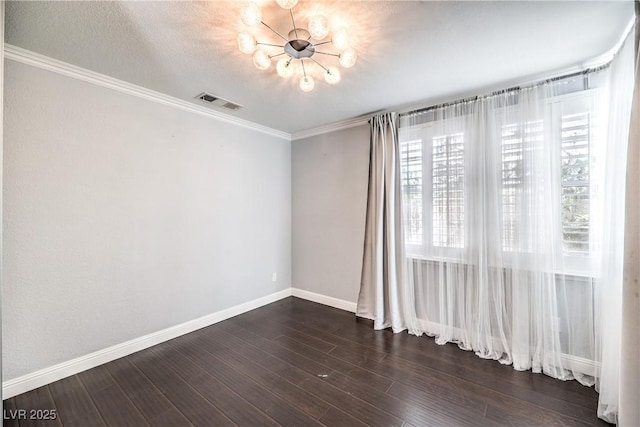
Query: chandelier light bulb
307, 83
246, 43
332, 75
287, 4
340, 39
284, 67
298, 54
319, 27
348, 58
261, 60
251, 14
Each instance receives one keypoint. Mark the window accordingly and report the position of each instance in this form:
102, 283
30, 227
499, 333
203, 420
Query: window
411, 175
447, 182
432, 173
576, 183
519, 142
544, 163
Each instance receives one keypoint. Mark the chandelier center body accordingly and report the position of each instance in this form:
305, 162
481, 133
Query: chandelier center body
299, 49
300, 44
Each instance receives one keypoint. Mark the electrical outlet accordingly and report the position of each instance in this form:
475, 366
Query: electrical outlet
274, 277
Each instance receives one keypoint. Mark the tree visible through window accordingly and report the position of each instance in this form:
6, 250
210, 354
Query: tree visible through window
433, 182
576, 195
411, 171
519, 142
448, 190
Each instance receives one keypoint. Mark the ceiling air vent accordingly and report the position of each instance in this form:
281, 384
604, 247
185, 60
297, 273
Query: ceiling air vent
215, 100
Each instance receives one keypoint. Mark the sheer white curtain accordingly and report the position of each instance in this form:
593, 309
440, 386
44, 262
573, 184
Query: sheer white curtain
618, 87
513, 222
497, 233
508, 237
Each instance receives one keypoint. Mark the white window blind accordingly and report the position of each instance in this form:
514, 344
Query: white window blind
576, 167
411, 175
518, 143
448, 191
435, 171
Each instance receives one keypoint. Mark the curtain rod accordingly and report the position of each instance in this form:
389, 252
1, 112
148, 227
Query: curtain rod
584, 73
625, 35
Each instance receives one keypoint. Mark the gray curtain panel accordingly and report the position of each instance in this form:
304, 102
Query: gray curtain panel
630, 353
383, 293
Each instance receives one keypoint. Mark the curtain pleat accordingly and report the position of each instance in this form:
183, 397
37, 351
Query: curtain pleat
497, 223
629, 412
383, 295
609, 283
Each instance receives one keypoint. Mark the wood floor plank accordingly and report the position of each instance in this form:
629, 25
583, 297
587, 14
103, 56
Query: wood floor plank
116, 409
437, 411
307, 339
337, 418
198, 410
10, 413
310, 382
441, 412
375, 381
154, 406
39, 408
366, 351
229, 402
251, 391
96, 379
433, 385
265, 329
313, 361
169, 418
289, 392
489, 382
75, 406
554, 404
295, 362
232, 404
424, 350
112, 402
301, 362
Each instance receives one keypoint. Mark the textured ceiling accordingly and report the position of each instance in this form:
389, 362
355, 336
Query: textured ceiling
409, 52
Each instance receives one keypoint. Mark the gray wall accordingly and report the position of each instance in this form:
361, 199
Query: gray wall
329, 193
123, 217
1, 149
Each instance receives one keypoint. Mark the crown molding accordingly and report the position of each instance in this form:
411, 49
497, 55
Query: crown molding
344, 124
28, 57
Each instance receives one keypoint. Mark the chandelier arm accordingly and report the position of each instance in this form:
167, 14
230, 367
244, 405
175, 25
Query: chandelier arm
277, 33
270, 44
277, 54
321, 66
325, 53
304, 71
321, 43
294, 23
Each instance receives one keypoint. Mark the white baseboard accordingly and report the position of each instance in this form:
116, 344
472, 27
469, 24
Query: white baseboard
57, 372
574, 363
323, 299
580, 364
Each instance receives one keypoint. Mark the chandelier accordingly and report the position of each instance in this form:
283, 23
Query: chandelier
299, 49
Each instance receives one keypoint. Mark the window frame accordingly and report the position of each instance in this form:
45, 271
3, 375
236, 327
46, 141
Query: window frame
574, 264
426, 133
582, 265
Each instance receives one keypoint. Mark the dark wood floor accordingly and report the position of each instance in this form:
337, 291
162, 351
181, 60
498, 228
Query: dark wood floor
299, 363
